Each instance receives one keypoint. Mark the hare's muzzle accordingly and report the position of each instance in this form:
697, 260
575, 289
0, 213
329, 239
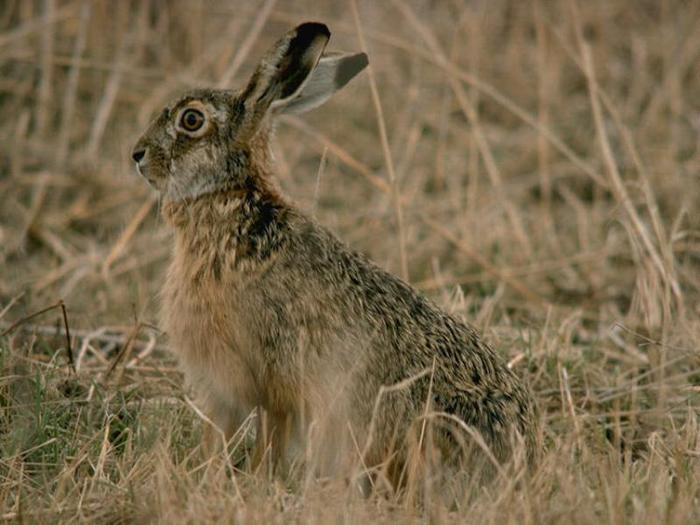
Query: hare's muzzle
140, 156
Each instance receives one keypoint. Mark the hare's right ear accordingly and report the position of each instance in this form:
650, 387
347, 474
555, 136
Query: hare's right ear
332, 72
283, 71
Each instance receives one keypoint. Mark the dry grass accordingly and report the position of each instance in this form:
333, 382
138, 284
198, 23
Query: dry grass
535, 169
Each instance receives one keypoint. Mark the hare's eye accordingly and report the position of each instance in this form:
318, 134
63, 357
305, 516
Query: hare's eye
192, 120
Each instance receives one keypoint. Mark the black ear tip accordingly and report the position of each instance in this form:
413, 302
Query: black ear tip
310, 30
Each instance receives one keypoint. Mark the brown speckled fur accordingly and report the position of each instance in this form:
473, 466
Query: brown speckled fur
266, 309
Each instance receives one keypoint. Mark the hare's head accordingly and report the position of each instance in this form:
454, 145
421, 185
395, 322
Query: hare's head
212, 139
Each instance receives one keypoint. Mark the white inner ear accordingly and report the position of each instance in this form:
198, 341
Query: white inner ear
332, 72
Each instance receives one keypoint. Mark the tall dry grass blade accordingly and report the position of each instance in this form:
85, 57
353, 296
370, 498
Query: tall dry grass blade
343, 155
123, 241
43, 111
476, 436
28, 318
544, 97
194, 69
670, 274
205, 419
680, 59
246, 45
10, 304
36, 24
492, 170
467, 108
123, 354
614, 173
17, 156
383, 390
436, 56
71, 88
388, 160
479, 259
317, 187
109, 95
59, 305
39, 192
568, 401
69, 346
665, 268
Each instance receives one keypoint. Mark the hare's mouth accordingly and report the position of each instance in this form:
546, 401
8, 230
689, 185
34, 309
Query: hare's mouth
143, 171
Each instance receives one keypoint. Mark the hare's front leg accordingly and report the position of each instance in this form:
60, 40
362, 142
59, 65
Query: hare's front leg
275, 433
226, 419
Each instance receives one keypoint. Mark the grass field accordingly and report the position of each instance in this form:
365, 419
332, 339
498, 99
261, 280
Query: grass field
532, 166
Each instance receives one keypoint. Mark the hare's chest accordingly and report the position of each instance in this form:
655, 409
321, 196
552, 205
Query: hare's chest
199, 316
205, 333
192, 319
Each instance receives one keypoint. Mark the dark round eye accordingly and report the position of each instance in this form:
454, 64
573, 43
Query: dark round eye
192, 120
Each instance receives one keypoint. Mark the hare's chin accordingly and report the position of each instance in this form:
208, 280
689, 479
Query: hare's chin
143, 171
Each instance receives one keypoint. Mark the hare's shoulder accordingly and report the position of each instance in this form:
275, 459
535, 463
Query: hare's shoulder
321, 256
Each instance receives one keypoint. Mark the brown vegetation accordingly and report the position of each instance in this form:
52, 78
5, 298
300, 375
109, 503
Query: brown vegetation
532, 166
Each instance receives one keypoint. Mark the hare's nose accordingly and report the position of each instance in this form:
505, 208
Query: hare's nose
138, 155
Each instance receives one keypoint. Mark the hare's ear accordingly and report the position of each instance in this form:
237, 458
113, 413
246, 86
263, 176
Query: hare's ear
332, 72
284, 70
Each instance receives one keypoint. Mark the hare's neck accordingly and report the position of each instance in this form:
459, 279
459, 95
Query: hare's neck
246, 223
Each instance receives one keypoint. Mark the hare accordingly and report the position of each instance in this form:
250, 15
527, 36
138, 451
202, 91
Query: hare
269, 311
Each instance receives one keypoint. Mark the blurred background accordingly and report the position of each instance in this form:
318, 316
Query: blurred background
532, 166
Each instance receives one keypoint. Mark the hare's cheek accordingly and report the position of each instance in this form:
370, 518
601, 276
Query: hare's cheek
190, 162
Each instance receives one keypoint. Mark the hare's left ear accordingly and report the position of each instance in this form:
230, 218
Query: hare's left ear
332, 72
283, 71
